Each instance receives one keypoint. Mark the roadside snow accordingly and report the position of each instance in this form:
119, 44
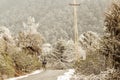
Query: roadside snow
67, 75
104, 75
35, 72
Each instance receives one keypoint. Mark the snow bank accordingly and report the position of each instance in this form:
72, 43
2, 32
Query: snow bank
102, 76
67, 75
35, 72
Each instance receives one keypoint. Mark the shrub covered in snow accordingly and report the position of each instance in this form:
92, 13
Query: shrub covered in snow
25, 62
18, 54
6, 62
56, 59
6, 66
110, 46
5, 32
111, 43
89, 40
104, 75
29, 39
62, 56
94, 62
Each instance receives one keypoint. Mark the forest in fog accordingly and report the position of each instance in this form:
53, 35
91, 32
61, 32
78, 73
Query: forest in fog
55, 40
55, 17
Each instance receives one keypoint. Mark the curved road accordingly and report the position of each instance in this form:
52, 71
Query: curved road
45, 75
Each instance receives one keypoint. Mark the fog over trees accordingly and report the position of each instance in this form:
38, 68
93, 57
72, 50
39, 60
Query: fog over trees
39, 35
55, 17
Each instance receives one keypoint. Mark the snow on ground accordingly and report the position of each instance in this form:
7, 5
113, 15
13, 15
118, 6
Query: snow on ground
67, 75
104, 75
33, 73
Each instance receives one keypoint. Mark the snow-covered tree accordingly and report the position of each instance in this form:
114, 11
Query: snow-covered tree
30, 38
6, 34
89, 40
111, 41
31, 26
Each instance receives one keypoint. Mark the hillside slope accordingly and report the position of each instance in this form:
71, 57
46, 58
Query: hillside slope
55, 16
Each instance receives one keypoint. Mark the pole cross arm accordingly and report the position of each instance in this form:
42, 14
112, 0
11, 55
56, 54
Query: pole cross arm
74, 4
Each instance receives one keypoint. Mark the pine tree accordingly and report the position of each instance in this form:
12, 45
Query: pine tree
111, 45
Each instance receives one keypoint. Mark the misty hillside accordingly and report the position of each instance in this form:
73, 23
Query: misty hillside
54, 16
40, 37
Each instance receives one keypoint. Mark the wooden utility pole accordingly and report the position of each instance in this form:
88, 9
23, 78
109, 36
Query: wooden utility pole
75, 28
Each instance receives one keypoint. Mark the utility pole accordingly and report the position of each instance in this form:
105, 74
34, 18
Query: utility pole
75, 28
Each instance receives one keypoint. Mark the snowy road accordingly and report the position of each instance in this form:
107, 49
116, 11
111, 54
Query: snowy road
48, 75
45, 75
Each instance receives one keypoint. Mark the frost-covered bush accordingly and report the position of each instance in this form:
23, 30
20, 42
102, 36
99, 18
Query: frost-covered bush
57, 58
28, 47
29, 39
6, 48
110, 45
25, 62
89, 40
6, 65
104, 75
15, 52
62, 56
5, 32
6, 39
31, 26
94, 62
3, 45
111, 41
70, 51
